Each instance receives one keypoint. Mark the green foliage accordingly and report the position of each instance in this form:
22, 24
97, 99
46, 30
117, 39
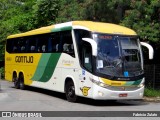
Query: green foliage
94, 10
45, 12
22, 15
70, 10
15, 17
150, 92
18, 16
101, 10
144, 17
2, 73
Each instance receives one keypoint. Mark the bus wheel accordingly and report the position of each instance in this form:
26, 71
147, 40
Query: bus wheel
16, 81
21, 81
70, 92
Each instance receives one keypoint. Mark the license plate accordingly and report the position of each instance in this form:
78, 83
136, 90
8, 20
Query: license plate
123, 95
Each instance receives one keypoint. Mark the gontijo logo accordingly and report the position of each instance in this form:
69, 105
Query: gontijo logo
24, 59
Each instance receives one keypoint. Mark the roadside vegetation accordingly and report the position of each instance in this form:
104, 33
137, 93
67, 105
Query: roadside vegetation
2, 73
150, 92
143, 16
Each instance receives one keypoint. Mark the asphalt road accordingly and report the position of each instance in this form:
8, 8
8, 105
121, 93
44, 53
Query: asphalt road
34, 99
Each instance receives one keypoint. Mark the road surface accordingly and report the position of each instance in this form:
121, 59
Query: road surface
35, 99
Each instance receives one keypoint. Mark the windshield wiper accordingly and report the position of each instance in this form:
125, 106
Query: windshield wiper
117, 62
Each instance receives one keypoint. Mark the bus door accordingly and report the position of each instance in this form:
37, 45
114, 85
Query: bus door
85, 72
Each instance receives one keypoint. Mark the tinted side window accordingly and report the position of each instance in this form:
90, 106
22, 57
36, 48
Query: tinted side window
9, 45
16, 45
21, 45
32, 44
54, 42
79, 34
42, 43
66, 44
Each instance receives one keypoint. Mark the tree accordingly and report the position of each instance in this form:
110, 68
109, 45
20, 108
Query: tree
93, 10
102, 10
15, 17
70, 10
144, 17
22, 15
45, 12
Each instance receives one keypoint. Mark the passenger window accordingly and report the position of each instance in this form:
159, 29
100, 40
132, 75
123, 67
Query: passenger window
10, 46
67, 43
55, 42
32, 47
22, 45
43, 43
79, 34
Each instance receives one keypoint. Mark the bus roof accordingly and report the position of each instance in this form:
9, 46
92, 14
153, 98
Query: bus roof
89, 25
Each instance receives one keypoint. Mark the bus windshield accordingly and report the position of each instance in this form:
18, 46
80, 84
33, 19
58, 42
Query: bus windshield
118, 56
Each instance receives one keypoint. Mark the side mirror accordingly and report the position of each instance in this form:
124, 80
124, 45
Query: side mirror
93, 44
150, 48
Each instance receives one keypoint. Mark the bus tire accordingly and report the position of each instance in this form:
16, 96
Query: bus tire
70, 91
15, 81
21, 81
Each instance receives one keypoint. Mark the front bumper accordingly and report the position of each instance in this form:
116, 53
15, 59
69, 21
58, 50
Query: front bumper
100, 93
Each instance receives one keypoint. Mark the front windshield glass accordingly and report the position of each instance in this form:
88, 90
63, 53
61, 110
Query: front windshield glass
117, 56
131, 55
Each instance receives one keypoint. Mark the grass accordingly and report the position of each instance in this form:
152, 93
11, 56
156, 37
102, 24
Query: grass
150, 92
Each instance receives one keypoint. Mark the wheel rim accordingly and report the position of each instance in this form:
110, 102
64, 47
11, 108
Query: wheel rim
71, 92
15, 81
21, 84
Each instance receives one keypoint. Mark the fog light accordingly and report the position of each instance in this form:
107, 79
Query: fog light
100, 93
141, 85
140, 94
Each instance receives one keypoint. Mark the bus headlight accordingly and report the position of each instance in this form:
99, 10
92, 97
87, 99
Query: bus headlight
99, 83
141, 84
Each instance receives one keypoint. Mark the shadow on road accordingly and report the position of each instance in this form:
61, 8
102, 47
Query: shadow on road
88, 101
46, 92
112, 102
81, 100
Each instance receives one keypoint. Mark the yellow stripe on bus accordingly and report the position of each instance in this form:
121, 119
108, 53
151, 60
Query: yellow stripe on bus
105, 27
113, 83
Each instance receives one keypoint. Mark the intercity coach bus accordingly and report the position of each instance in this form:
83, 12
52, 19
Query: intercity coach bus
79, 58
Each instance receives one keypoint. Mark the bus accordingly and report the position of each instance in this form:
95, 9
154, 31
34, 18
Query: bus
101, 61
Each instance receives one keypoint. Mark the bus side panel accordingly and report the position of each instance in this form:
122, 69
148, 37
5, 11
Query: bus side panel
81, 78
48, 72
25, 63
69, 67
